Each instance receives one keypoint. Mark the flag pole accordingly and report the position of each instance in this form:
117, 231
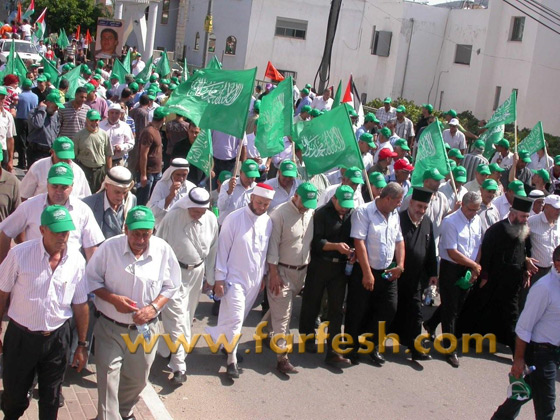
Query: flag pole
515, 134
237, 159
368, 184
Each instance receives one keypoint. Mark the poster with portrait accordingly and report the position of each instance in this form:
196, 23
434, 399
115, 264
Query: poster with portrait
110, 38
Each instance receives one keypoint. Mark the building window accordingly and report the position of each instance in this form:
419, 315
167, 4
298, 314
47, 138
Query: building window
197, 41
291, 28
212, 43
288, 73
463, 54
231, 45
497, 98
517, 26
165, 12
381, 43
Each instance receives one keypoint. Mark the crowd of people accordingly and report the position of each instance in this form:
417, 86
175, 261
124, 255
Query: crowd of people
115, 230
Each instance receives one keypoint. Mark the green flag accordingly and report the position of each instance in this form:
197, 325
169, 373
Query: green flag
215, 99
329, 141
275, 121
490, 137
73, 77
214, 64
534, 140
162, 67
431, 153
119, 70
62, 41
14, 64
506, 112
201, 154
337, 96
146, 71
185, 70
126, 62
51, 70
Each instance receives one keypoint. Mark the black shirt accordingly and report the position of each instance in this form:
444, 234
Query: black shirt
181, 149
41, 95
328, 226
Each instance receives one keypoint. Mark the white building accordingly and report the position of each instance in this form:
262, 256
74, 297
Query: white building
452, 58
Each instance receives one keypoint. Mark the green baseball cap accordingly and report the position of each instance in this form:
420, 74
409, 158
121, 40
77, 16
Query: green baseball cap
61, 174
41, 78
151, 95
93, 115
154, 77
368, 138
557, 160
3, 91
140, 81
524, 156
224, 175
140, 217
377, 180
354, 114
63, 148
315, 113
402, 144
250, 168
133, 87
490, 185
305, 91
387, 100
308, 86
543, 173
288, 168
354, 174
89, 87
429, 107
54, 97
401, 108
308, 194
100, 63
175, 79
96, 77
483, 169
479, 144
503, 143
27, 83
432, 174
306, 108
452, 163
456, 153
57, 219
87, 72
518, 188
494, 167
451, 113
345, 196
173, 86
460, 174
370, 117
160, 113
385, 132
447, 146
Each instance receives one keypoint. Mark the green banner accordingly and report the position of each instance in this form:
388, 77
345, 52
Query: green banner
146, 71
119, 70
201, 154
506, 112
215, 99
51, 70
431, 153
490, 137
338, 95
162, 67
534, 140
73, 77
62, 41
328, 141
126, 62
214, 64
275, 121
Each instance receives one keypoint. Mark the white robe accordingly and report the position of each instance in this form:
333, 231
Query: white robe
159, 194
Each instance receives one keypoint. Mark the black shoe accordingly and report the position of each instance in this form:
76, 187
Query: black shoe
336, 360
239, 357
284, 366
216, 308
129, 418
431, 331
179, 377
420, 357
310, 347
61, 401
354, 359
453, 360
377, 357
232, 371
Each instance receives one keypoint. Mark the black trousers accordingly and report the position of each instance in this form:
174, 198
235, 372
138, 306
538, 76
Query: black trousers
365, 309
20, 141
542, 382
36, 152
543, 271
408, 319
26, 354
323, 275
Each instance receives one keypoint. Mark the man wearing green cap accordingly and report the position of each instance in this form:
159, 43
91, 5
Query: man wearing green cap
236, 193
377, 182
94, 153
503, 156
366, 144
27, 101
386, 112
305, 100
304, 114
35, 180
383, 137
370, 122
288, 257
73, 114
426, 113
460, 177
133, 276
353, 177
481, 174
400, 147
38, 338
40, 88
324, 102
94, 101
24, 220
7, 132
474, 158
488, 212
504, 202
137, 64
456, 155
541, 180
404, 127
285, 183
519, 170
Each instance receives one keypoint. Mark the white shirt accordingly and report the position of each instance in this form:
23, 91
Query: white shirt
472, 186
115, 268
41, 299
503, 162
242, 248
540, 319
27, 218
460, 234
331, 190
488, 216
447, 190
252, 151
380, 235
35, 180
192, 241
137, 66
502, 205
160, 193
119, 134
240, 197
541, 162
280, 195
7, 127
322, 105
368, 161
457, 141
544, 239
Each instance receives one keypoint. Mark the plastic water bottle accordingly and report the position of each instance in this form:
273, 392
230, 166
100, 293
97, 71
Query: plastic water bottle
349, 265
144, 329
387, 275
431, 293
212, 296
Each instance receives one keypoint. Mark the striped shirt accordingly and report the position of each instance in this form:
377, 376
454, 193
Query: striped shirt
545, 237
27, 218
41, 299
72, 120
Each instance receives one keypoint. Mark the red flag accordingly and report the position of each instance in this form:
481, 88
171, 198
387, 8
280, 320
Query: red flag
78, 33
89, 40
348, 93
18, 16
272, 73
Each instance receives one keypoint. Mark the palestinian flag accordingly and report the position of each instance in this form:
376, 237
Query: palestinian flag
41, 26
30, 10
352, 97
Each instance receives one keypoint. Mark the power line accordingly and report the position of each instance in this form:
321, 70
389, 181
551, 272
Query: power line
532, 17
540, 14
545, 8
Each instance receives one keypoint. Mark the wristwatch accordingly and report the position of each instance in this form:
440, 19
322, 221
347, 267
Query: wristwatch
157, 309
83, 344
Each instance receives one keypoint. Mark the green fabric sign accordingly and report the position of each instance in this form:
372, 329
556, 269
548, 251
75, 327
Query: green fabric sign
490, 137
126, 62
201, 154
119, 70
214, 64
506, 112
62, 41
146, 71
534, 140
431, 153
338, 95
162, 67
51, 70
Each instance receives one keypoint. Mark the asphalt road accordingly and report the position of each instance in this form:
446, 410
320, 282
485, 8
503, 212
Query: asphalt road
401, 389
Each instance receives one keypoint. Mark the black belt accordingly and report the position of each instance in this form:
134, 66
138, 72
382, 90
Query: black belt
122, 324
190, 266
293, 267
117, 160
334, 260
41, 333
39, 147
543, 268
545, 346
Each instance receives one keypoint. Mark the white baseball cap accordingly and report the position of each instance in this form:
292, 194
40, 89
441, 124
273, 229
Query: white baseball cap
115, 106
454, 121
553, 200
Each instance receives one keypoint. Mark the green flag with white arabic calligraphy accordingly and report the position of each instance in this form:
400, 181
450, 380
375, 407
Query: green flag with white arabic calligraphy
275, 119
215, 99
214, 64
329, 141
431, 153
201, 154
506, 112
490, 137
534, 140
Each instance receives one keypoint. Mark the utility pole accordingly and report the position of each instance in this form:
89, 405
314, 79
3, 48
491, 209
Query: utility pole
208, 26
324, 68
